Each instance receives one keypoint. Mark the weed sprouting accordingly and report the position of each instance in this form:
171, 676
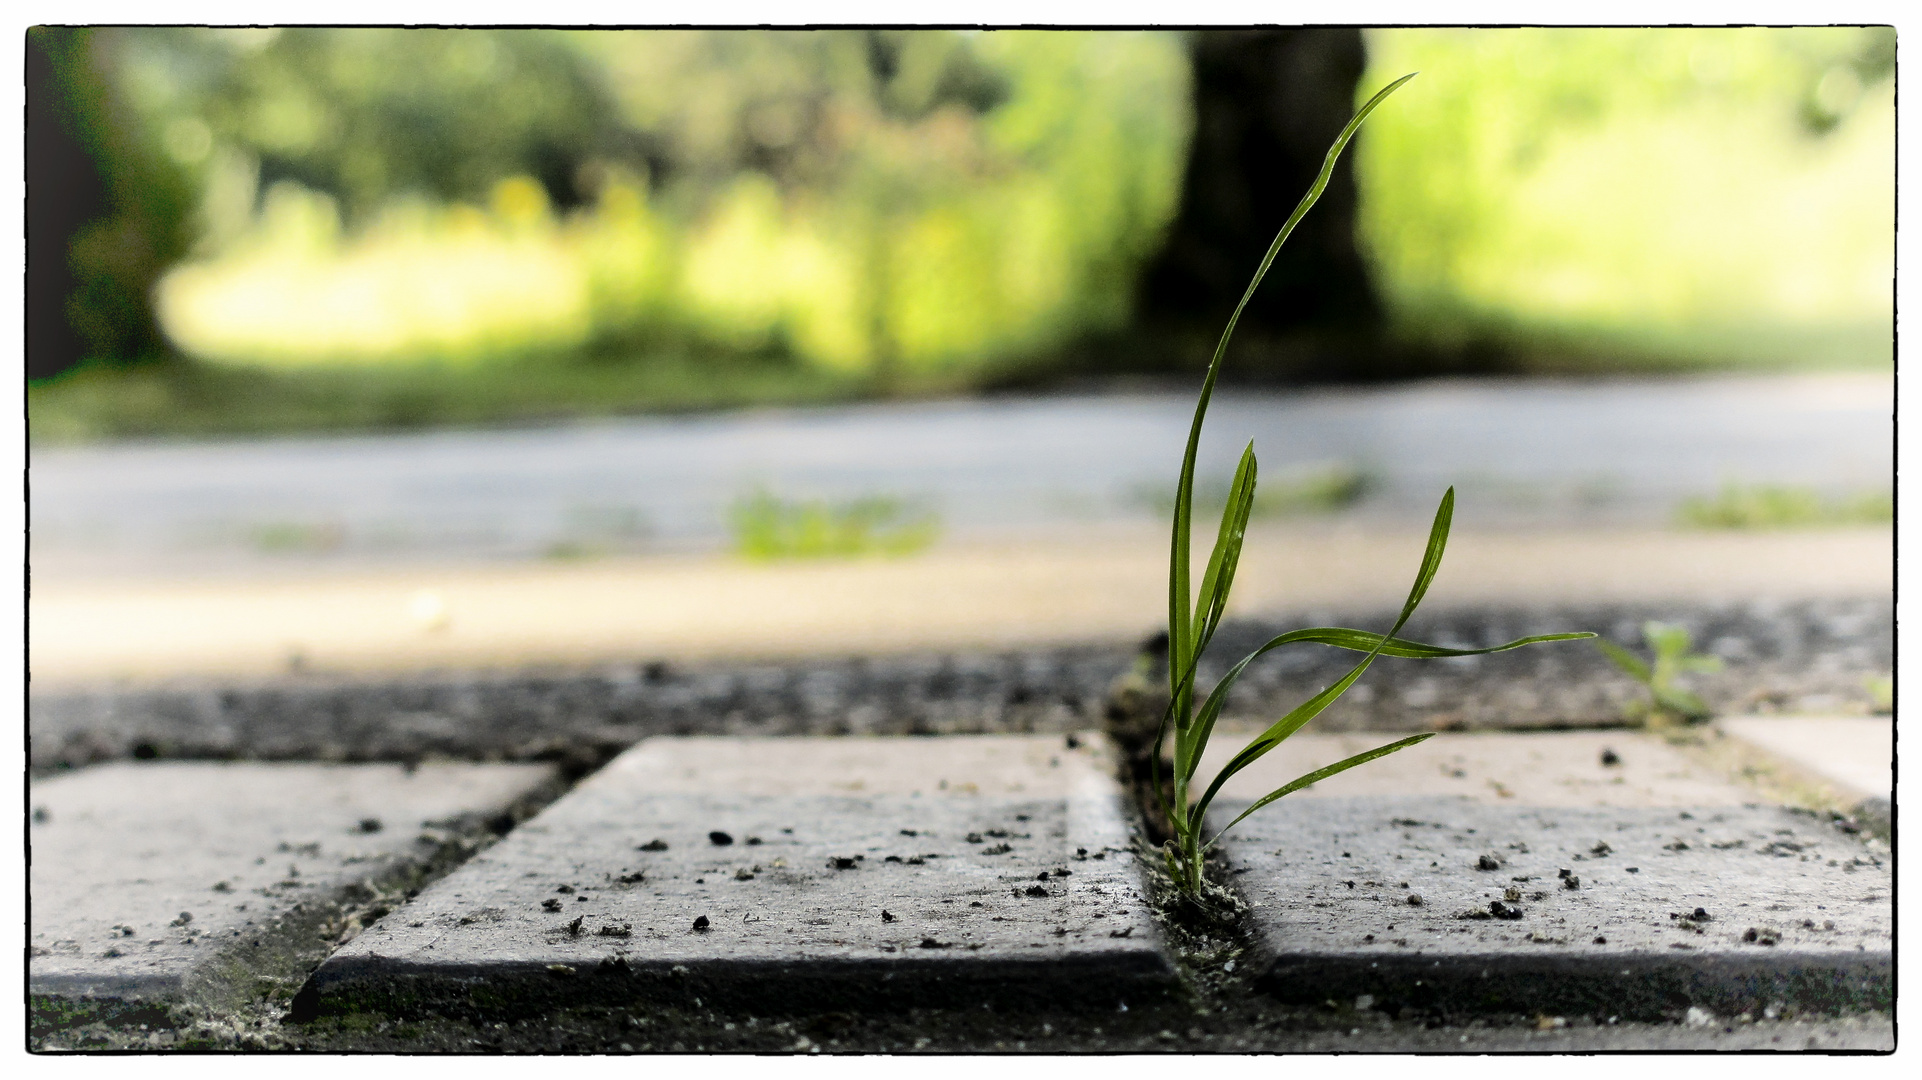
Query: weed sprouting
1667, 704
1191, 628
767, 527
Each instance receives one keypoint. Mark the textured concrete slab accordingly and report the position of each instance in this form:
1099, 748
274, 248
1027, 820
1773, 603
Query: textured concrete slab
1455, 905
146, 876
1853, 754
782, 874
1549, 768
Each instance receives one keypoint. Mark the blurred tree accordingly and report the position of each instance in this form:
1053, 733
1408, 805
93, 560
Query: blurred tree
367, 114
107, 211
1267, 105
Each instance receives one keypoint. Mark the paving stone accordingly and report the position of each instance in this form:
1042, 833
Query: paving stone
1854, 754
1542, 890
147, 875
787, 873
1550, 768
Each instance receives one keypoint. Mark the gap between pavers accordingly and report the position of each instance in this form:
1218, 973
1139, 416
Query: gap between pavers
1594, 873
783, 875
163, 882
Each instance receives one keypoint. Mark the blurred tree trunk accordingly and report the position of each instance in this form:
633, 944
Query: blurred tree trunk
106, 213
1267, 105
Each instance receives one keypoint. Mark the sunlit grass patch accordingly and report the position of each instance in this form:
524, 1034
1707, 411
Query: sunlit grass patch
767, 527
1312, 491
1782, 506
295, 537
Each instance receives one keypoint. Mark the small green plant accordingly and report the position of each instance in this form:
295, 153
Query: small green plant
1778, 506
767, 527
1881, 690
1191, 628
1667, 705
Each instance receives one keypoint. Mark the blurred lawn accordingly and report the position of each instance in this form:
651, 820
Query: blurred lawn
178, 399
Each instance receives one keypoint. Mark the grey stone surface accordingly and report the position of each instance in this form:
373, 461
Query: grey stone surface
1853, 754
1810, 655
1537, 769
146, 875
1791, 909
785, 874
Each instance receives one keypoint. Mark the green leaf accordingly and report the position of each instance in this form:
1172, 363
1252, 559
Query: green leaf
1322, 774
1626, 660
1431, 558
1227, 551
1341, 638
1681, 701
1288, 725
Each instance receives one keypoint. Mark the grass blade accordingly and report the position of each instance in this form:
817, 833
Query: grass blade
1227, 552
1341, 638
1322, 774
1364, 641
1625, 660
1181, 653
1308, 710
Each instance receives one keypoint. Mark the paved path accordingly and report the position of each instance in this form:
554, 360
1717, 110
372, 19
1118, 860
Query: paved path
1542, 452
1105, 588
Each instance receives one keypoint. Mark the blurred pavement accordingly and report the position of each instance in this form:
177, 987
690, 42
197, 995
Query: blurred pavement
143, 566
1543, 452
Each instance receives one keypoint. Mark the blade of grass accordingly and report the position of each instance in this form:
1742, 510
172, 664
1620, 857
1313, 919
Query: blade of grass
1355, 641
1322, 774
1181, 653
1222, 561
1215, 584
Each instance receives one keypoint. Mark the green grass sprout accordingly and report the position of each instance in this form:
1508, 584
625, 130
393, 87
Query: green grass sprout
1190, 628
1667, 705
767, 527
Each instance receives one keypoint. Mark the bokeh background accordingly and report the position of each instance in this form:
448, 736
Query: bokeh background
388, 348
310, 229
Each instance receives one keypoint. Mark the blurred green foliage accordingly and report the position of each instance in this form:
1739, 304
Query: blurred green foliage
1299, 492
1777, 506
1687, 194
894, 204
147, 225
1668, 704
395, 227
767, 527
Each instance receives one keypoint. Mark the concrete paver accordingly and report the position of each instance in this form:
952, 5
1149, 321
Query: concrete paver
1545, 768
868, 872
1522, 874
1854, 754
145, 875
